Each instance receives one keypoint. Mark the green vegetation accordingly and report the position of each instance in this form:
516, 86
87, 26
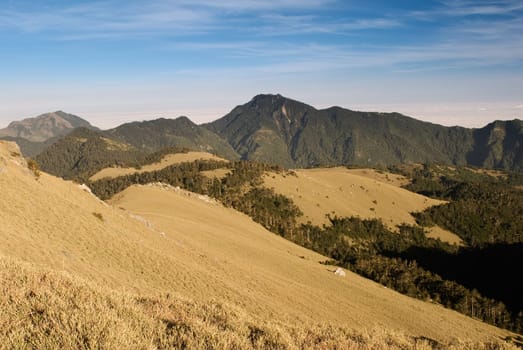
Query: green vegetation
370, 249
34, 167
84, 152
482, 209
408, 262
153, 135
186, 175
278, 130
99, 216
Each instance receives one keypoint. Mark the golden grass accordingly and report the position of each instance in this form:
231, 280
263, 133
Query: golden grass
444, 235
166, 161
172, 241
381, 176
217, 173
344, 192
41, 309
490, 172
113, 145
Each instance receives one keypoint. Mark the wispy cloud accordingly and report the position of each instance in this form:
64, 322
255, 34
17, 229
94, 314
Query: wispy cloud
117, 19
473, 8
249, 5
97, 19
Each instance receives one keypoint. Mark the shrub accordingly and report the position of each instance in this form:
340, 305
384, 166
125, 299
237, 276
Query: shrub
34, 167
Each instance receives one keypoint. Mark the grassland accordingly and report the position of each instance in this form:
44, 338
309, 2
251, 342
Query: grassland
42, 309
178, 267
166, 161
364, 193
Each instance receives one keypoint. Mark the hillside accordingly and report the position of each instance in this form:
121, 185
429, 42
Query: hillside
83, 152
153, 135
278, 130
168, 160
107, 319
44, 127
170, 241
29, 148
345, 193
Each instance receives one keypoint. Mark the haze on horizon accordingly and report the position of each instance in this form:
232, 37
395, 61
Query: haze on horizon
449, 62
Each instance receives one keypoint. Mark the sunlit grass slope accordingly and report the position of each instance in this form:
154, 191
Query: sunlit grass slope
166, 161
41, 309
171, 241
364, 193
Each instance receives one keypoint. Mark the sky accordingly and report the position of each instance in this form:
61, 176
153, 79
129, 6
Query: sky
448, 62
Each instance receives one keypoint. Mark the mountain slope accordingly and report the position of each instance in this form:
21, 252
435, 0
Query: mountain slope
156, 134
29, 148
174, 241
45, 126
168, 160
336, 191
275, 129
498, 145
84, 151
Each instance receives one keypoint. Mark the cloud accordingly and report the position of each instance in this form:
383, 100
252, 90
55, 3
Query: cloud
289, 36
249, 5
115, 18
473, 8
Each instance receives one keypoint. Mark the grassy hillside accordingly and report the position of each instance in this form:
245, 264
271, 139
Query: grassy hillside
410, 261
44, 309
84, 152
338, 191
172, 241
30, 148
166, 161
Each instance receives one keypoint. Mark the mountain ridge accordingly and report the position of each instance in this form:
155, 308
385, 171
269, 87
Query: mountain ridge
275, 129
35, 134
153, 135
45, 126
282, 131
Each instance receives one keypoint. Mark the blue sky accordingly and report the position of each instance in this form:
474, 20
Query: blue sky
450, 62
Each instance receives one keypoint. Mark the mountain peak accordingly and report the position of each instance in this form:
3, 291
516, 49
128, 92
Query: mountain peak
279, 130
45, 126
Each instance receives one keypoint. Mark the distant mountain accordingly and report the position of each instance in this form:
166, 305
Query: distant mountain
278, 130
44, 127
275, 129
84, 152
153, 135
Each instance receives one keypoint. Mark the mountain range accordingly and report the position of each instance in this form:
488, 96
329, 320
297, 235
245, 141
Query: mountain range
275, 129
278, 130
34, 134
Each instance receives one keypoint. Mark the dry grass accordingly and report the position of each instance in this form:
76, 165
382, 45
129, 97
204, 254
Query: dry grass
166, 161
381, 176
41, 309
217, 173
444, 235
363, 193
179, 243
